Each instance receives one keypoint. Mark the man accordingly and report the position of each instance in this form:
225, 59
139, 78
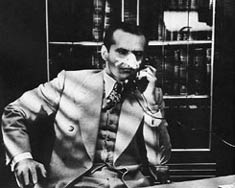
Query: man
103, 137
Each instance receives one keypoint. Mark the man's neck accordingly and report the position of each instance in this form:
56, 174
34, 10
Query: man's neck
108, 72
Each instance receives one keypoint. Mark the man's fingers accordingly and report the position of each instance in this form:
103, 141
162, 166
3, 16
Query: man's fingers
19, 180
153, 69
27, 172
147, 73
25, 176
149, 69
42, 170
34, 175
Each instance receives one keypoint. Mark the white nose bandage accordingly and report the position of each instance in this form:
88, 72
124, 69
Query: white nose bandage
129, 61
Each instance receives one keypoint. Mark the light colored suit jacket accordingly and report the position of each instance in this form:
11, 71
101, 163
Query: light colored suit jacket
74, 98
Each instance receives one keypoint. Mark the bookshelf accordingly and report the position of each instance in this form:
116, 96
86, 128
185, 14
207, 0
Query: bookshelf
181, 47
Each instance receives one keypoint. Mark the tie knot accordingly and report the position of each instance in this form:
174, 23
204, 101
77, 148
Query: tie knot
118, 87
115, 95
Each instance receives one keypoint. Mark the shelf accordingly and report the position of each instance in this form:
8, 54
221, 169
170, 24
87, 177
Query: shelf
185, 42
151, 43
185, 97
81, 43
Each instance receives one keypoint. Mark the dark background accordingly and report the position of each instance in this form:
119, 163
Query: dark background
22, 56
23, 67
223, 101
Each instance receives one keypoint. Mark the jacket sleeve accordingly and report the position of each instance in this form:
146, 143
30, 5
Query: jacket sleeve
39, 102
157, 139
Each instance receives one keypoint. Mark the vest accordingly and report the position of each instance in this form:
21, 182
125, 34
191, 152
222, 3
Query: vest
107, 135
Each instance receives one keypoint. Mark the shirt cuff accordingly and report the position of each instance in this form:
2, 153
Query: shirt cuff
19, 157
153, 119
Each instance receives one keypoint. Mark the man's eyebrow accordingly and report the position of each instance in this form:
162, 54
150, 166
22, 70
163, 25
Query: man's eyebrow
133, 51
138, 52
122, 49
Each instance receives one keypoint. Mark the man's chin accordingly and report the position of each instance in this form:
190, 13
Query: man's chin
124, 77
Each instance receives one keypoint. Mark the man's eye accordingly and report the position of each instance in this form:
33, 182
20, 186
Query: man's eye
122, 51
138, 55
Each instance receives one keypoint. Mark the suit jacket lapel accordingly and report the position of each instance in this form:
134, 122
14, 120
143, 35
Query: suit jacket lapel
92, 109
129, 121
130, 117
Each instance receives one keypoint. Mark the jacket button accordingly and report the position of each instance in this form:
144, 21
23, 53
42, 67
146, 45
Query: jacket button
71, 128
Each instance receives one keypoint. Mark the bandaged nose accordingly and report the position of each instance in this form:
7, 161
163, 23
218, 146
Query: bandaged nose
130, 61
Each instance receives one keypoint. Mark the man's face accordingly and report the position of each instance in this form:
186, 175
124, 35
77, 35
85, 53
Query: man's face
125, 55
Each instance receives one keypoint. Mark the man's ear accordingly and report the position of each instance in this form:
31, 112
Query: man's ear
104, 52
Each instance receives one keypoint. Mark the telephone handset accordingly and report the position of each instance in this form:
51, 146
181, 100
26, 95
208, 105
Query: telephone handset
134, 82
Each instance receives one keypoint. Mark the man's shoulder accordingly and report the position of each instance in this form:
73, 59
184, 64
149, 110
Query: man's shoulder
82, 73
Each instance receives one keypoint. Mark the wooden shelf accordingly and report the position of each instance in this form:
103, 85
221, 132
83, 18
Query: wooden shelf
81, 43
185, 96
176, 43
151, 43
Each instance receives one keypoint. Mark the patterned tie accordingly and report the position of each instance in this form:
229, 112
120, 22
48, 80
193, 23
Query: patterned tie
114, 96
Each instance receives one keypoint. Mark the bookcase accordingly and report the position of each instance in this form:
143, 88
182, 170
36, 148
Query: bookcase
181, 48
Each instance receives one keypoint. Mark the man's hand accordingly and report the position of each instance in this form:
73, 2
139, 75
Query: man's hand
150, 73
28, 171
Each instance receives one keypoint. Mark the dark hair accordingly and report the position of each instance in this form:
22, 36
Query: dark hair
127, 27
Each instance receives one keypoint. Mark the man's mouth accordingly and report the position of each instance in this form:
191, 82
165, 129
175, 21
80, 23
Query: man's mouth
127, 70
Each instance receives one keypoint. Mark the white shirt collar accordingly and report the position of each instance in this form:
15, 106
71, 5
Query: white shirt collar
108, 84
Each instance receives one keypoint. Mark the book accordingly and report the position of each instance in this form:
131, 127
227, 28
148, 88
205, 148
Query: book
198, 71
107, 15
130, 11
98, 19
112, 13
181, 4
180, 72
151, 18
